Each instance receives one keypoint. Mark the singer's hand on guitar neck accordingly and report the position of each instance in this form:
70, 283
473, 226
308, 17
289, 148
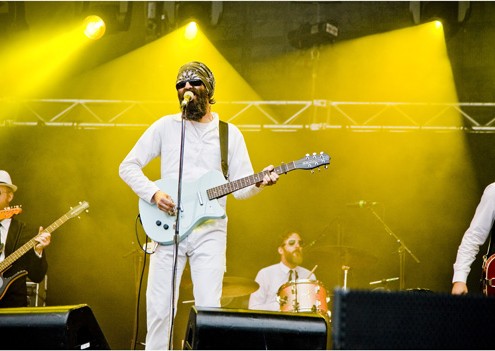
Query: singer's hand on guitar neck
164, 202
269, 178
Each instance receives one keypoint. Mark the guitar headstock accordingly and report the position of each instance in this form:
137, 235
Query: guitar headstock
9, 212
313, 161
74, 212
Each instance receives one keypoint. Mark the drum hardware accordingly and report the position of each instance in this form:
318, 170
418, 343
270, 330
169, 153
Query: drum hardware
346, 271
338, 255
231, 287
402, 249
343, 257
384, 281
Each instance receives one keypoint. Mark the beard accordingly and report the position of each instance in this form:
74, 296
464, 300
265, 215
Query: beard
296, 258
197, 108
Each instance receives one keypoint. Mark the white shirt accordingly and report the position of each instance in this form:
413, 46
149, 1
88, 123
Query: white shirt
270, 279
4, 229
476, 235
201, 153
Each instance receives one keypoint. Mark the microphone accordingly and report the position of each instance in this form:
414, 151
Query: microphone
188, 95
362, 204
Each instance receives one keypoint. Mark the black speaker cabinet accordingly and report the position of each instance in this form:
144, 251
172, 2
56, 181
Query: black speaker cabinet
54, 328
237, 329
411, 320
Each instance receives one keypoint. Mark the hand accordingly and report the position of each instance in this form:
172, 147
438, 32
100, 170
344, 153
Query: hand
43, 240
269, 178
164, 202
459, 288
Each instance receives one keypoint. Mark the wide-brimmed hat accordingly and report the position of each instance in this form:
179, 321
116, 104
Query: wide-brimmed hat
6, 181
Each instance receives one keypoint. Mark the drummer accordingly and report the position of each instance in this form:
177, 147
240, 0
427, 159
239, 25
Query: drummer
271, 278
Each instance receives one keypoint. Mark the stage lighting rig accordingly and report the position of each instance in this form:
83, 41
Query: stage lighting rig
116, 15
309, 35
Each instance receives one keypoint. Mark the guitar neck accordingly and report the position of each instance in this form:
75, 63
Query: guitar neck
230, 187
5, 264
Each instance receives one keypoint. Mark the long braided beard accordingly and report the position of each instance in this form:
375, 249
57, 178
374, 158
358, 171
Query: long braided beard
198, 107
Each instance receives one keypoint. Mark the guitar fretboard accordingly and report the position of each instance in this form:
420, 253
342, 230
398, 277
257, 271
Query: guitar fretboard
5, 264
230, 187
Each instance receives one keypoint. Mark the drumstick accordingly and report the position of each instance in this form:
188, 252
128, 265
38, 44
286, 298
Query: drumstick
309, 275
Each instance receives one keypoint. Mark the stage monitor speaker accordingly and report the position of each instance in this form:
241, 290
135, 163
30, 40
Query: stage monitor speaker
237, 329
411, 320
54, 328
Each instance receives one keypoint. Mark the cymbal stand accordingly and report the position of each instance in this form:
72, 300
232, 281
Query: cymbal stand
401, 250
346, 271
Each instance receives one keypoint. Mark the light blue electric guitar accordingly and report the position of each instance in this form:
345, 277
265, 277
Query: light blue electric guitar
199, 199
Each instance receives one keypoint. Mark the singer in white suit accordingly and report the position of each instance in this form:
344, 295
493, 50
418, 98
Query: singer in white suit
205, 246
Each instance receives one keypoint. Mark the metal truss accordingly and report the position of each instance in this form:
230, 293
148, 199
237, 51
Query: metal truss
278, 116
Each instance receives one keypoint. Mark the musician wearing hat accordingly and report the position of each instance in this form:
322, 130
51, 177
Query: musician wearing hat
271, 278
14, 234
205, 245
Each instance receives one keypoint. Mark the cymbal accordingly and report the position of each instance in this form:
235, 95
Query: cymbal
231, 286
238, 286
341, 256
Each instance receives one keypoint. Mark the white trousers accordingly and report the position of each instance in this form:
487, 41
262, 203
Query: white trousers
205, 248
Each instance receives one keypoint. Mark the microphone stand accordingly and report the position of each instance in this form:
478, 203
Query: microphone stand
402, 249
177, 224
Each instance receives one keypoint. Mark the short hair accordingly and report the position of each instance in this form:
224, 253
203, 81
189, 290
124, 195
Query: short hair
286, 235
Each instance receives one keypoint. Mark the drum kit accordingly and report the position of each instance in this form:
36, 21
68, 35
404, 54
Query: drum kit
302, 295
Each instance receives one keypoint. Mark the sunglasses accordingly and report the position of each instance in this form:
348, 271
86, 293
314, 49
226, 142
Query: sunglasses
293, 242
194, 83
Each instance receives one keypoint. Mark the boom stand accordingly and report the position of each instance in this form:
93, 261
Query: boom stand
402, 249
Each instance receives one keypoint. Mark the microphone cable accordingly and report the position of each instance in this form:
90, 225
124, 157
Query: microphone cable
143, 248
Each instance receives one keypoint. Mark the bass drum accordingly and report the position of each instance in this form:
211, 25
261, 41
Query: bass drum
303, 295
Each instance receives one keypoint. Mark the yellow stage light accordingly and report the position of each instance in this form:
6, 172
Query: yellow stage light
191, 30
438, 24
94, 27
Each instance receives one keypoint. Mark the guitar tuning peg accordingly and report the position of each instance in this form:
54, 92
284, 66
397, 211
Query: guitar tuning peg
313, 171
307, 155
314, 153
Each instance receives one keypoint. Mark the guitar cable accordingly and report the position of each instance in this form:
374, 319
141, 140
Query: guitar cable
138, 298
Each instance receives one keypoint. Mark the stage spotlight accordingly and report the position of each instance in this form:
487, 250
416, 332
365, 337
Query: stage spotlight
452, 14
191, 30
116, 15
205, 13
94, 27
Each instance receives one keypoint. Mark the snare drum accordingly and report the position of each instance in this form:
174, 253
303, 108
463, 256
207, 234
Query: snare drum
303, 295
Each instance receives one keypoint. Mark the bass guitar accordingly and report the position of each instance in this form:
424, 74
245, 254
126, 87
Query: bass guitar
488, 276
7, 263
199, 199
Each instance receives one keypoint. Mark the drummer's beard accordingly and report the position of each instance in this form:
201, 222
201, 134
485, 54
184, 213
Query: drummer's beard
295, 257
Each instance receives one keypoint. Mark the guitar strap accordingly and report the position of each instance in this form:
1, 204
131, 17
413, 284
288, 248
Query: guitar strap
224, 145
